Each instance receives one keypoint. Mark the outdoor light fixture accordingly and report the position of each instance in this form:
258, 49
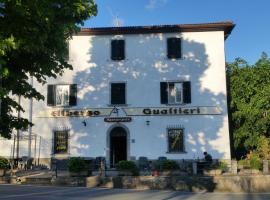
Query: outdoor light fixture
84, 122
147, 122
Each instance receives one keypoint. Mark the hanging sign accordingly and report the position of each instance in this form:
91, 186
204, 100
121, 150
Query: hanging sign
117, 119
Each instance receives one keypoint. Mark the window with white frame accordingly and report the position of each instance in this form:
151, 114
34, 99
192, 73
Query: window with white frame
62, 95
175, 92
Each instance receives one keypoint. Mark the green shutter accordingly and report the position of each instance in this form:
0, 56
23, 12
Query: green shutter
51, 95
187, 92
73, 95
174, 48
117, 49
163, 92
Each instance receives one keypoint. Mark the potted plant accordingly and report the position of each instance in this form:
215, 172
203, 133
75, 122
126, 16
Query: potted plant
168, 167
77, 167
127, 168
3, 165
216, 169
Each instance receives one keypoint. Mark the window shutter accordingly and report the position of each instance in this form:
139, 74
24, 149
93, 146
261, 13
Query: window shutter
118, 93
187, 92
51, 95
163, 92
73, 95
174, 48
117, 49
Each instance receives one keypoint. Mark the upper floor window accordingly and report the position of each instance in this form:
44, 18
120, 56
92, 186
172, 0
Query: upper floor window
175, 92
118, 49
62, 95
174, 48
175, 140
118, 93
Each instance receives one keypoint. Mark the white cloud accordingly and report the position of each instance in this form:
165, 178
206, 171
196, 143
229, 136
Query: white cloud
153, 4
116, 21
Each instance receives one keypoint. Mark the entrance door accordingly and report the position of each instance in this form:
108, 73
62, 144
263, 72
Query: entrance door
118, 145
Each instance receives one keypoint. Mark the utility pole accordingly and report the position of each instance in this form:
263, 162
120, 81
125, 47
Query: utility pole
30, 120
35, 155
18, 133
39, 146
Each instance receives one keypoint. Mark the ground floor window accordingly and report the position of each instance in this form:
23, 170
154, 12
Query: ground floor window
175, 140
60, 142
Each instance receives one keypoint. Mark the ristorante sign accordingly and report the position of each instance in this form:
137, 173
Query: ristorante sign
147, 111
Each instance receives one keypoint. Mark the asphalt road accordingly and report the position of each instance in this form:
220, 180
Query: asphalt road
78, 193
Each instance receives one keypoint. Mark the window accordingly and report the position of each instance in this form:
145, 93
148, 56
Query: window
175, 140
174, 48
118, 93
175, 92
62, 95
60, 142
117, 49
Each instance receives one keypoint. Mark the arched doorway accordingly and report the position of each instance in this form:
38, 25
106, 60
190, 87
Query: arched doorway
118, 145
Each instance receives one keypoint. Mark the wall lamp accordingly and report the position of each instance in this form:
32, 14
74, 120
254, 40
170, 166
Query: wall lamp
147, 122
84, 122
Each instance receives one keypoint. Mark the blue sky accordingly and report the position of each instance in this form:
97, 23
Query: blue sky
248, 40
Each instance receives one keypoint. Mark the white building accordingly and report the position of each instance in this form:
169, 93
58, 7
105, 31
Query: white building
137, 91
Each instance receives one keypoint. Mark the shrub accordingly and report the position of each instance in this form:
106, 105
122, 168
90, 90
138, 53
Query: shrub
127, 165
252, 161
169, 165
223, 166
255, 162
3, 163
76, 164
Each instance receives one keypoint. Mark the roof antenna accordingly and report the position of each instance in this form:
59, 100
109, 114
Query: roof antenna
117, 22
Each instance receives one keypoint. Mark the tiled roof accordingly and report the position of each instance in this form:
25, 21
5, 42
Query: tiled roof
226, 26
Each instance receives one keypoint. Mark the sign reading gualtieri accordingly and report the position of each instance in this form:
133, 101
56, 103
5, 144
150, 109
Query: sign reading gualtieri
147, 111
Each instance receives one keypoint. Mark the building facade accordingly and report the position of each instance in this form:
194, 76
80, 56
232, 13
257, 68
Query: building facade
136, 91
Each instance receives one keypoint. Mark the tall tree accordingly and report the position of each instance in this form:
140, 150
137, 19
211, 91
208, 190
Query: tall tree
249, 102
33, 42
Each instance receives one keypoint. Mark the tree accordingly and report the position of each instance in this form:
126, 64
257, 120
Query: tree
33, 42
249, 92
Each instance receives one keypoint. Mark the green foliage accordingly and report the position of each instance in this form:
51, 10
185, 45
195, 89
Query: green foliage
223, 166
249, 98
127, 165
3, 163
33, 42
76, 164
252, 161
263, 148
167, 165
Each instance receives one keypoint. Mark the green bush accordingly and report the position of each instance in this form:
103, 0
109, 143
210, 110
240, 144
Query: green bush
255, 162
3, 163
76, 164
223, 166
169, 165
127, 165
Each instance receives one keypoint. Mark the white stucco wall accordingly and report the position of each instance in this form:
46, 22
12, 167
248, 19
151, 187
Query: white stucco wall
145, 66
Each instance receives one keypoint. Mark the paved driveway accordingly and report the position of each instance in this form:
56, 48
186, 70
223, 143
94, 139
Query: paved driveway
18, 192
